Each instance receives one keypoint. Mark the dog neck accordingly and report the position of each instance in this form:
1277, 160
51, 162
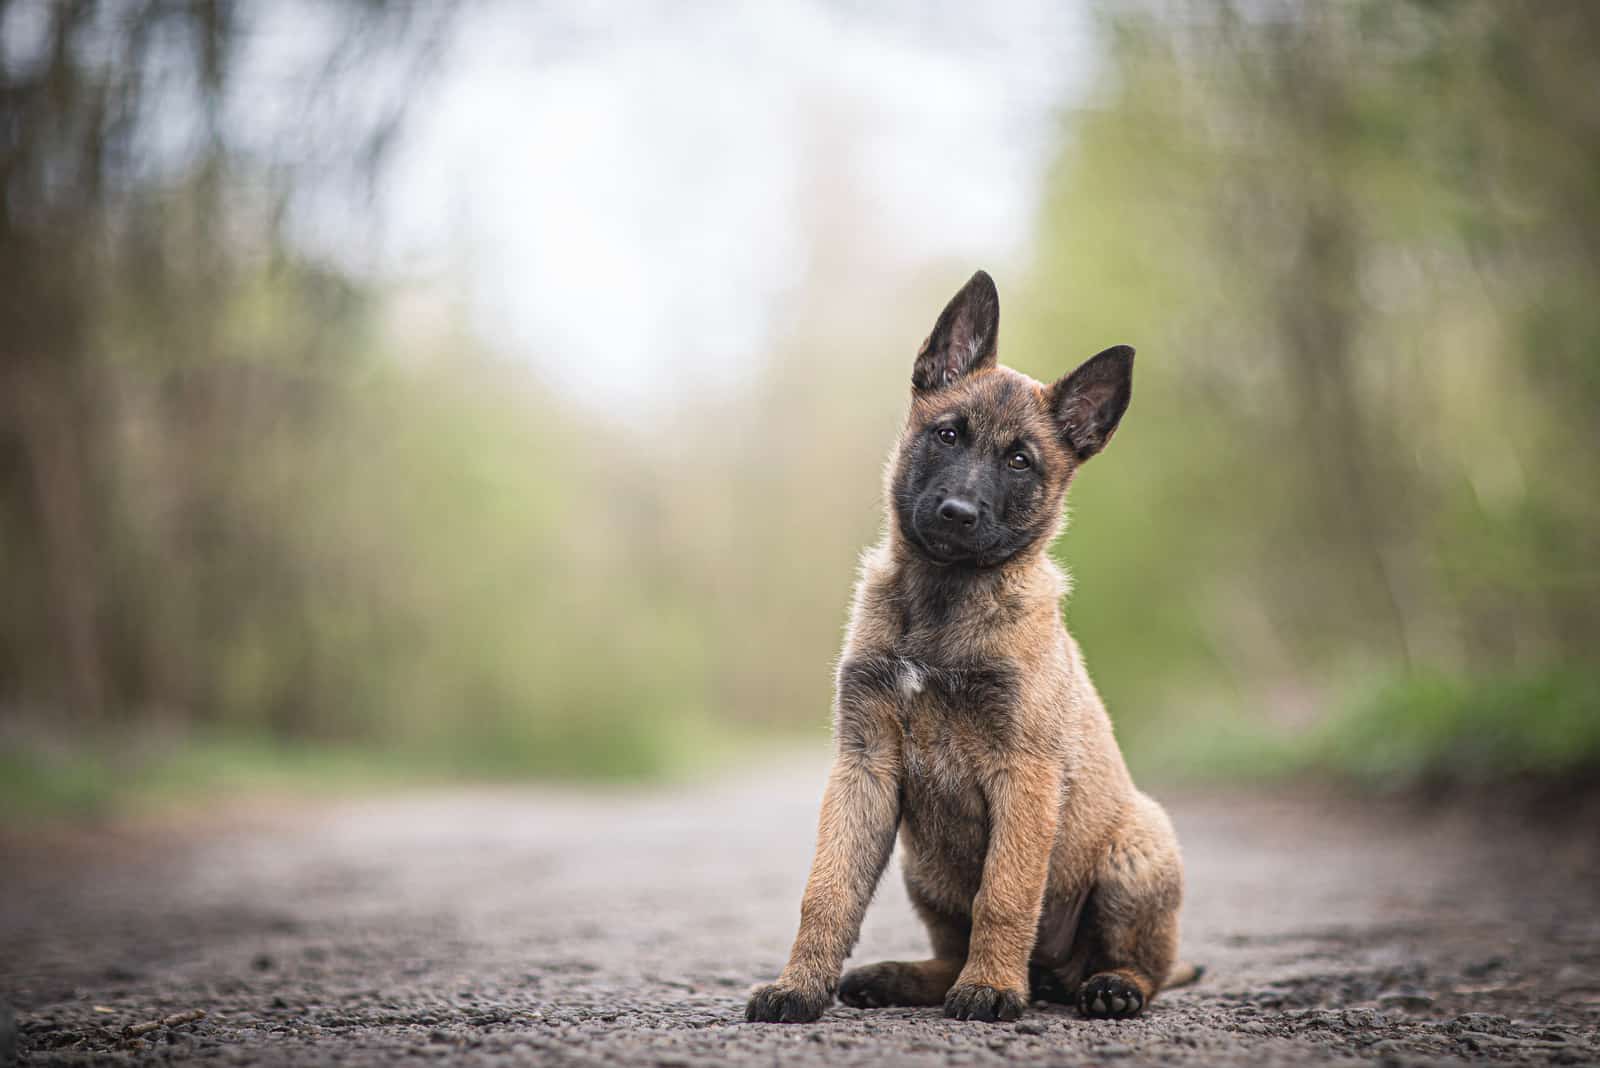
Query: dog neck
961, 606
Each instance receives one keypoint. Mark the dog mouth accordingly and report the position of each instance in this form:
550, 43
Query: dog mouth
945, 544
943, 553
945, 550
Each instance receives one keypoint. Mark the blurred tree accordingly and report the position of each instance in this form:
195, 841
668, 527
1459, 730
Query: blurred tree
1356, 246
1360, 241
150, 154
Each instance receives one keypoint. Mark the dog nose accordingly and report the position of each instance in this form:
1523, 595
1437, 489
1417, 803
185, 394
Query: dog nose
958, 511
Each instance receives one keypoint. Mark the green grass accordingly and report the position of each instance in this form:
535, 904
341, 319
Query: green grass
1417, 731
107, 777
123, 775
1411, 732
1435, 730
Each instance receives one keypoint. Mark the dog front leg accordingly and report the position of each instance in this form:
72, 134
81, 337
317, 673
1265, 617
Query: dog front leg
1023, 812
855, 834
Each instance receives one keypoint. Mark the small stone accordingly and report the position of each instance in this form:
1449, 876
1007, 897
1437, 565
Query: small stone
1483, 1021
1365, 1018
1030, 1027
1406, 1002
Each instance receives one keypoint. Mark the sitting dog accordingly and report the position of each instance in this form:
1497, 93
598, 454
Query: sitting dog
964, 720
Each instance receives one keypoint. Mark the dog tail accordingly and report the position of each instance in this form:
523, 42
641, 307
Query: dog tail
1182, 974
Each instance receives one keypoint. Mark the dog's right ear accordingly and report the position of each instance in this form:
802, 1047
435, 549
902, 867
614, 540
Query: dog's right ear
1088, 404
963, 340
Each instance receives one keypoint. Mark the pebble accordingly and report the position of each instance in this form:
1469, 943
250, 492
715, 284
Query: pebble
1407, 1002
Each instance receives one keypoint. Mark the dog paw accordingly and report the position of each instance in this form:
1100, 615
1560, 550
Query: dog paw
970, 1001
873, 986
781, 1003
1109, 997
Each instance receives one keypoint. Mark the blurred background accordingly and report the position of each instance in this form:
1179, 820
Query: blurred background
422, 391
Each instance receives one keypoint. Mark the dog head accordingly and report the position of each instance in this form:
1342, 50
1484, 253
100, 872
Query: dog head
987, 453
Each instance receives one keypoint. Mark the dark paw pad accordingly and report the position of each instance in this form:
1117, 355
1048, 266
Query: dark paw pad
776, 1003
969, 1002
1109, 997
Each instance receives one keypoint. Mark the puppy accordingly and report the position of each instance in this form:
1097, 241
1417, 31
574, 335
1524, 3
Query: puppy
965, 722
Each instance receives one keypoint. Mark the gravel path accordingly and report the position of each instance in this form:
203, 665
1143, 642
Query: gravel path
540, 927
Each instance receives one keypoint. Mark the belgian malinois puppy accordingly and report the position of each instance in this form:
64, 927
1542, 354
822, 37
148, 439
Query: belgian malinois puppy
964, 720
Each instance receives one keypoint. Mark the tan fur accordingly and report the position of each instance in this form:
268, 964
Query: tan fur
971, 728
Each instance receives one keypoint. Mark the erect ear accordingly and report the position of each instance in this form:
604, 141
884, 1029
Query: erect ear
1088, 404
963, 340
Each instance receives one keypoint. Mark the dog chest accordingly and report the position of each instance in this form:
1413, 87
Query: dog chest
982, 694
955, 726
944, 816
955, 722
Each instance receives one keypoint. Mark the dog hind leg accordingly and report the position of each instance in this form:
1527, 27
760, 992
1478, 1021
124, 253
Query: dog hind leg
922, 982
1130, 925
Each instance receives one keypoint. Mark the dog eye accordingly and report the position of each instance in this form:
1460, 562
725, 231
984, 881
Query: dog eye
947, 435
1018, 462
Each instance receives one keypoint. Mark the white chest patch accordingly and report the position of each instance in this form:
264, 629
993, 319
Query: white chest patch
911, 678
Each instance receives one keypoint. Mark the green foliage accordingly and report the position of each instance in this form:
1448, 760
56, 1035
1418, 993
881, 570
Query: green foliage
1356, 245
1348, 242
118, 775
1435, 730
445, 582
1412, 731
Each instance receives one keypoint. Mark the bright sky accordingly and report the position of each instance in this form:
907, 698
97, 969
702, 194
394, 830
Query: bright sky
620, 191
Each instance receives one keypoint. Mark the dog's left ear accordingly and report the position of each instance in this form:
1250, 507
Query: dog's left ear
964, 338
1088, 404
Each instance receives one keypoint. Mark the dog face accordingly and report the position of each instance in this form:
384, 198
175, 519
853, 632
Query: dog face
987, 452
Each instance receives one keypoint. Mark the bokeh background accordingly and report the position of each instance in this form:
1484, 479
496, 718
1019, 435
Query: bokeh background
420, 391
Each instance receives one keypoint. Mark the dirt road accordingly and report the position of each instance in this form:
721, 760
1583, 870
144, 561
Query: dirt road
552, 927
